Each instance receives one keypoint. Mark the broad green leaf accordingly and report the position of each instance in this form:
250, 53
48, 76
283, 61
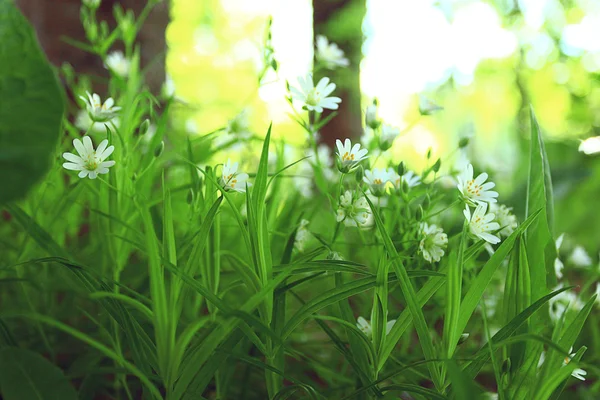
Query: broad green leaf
27, 375
541, 250
31, 109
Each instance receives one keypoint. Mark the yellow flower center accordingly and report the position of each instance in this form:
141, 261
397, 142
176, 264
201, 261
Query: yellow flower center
91, 164
348, 157
472, 188
377, 181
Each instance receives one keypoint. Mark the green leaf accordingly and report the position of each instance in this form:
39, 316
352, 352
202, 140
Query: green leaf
482, 355
31, 109
480, 283
27, 375
410, 295
453, 294
541, 250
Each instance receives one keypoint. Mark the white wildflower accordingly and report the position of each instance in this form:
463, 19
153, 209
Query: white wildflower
372, 116
349, 156
353, 211
558, 264
89, 162
377, 180
388, 135
365, 326
302, 235
480, 223
433, 242
313, 97
580, 258
231, 179
590, 146
118, 63
563, 302
97, 111
504, 217
410, 178
577, 372
428, 107
329, 54
475, 191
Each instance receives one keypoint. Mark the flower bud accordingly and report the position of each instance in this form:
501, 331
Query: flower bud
463, 142
371, 115
506, 366
190, 197
159, 149
429, 153
144, 127
437, 165
359, 174
419, 213
404, 186
463, 338
426, 202
401, 168
334, 255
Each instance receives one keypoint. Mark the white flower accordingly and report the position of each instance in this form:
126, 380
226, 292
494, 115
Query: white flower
349, 156
315, 98
97, 111
428, 107
231, 179
372, 116
388, 135
89, 162
562, 302
353, 211
506, 220
577, 372
480, 223
118, 63
409, 177
85, 123
365, 326
302, 236
169, 87
475, 190
580, 258
433, 242
377, 179
330, 54
558, 264
590, 146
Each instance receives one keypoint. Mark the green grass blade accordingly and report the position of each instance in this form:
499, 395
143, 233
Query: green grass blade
484, 277
411, 297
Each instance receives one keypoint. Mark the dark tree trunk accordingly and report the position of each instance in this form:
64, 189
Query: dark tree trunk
328, 17
54, 19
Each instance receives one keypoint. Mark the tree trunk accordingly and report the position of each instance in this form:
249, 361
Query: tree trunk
328, 17
54, 19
